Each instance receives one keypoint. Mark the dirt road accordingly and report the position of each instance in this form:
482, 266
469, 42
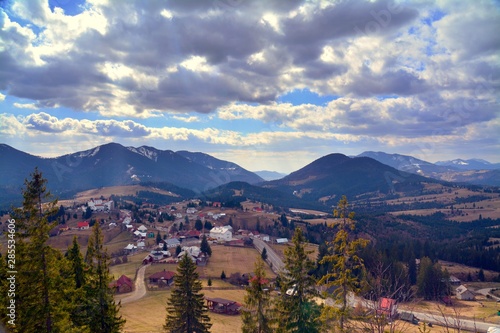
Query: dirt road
139, 291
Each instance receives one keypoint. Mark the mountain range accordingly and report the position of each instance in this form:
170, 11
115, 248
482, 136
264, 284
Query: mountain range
320, 182
473, 171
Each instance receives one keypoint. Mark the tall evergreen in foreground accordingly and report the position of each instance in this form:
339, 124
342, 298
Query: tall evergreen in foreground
346, 267
257, 315
43, 281
186, 309
296, 310
102, 312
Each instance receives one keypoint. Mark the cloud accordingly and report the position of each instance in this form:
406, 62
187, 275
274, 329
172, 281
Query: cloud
112, 60
31, 106
401, 72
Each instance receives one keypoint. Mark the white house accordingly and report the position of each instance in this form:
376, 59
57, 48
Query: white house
464, 294
222, 233
191, 210
281, 240
142, 228
99, 205
172, 242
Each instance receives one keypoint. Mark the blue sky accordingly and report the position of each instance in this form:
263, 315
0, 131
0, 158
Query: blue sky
269, 85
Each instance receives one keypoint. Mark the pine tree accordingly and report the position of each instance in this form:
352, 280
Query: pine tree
78, 269
295, 309
102, 311
42, 284
257, 315
75, 258
263, 255
346, 268
186, 309
205, 247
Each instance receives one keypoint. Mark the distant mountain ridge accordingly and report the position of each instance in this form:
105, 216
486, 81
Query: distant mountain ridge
319, 184
270, 175
471, 164
473, 171
113, 164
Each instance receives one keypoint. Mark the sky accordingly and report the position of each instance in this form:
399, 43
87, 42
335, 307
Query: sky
269, 85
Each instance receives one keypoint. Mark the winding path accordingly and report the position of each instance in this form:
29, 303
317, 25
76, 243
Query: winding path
140, 288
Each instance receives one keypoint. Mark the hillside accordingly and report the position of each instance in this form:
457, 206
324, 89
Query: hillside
333, 175
113, 165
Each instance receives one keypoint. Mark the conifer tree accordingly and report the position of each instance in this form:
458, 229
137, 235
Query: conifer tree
42, 284
78, 269
205, 247
186, 309
257, 315
102, 311
346, 265
296, 310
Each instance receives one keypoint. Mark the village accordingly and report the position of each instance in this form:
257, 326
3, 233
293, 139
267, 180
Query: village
150, 239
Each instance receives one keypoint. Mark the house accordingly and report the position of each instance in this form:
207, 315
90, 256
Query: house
83, 225
172, 242
130, 248
141, 245
223, 306
191, 210
193, 251
162, 278
191, 234
216, 204
123, 285
142, 228
264, 237
387, 307
454, 281
464, 294
222, 233
99, 205
281, 240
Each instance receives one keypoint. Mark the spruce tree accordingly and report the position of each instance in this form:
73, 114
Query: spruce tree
205, 247
296, 310
102, 311
43, 287
257, 314
186, 309
347, 265
78, 270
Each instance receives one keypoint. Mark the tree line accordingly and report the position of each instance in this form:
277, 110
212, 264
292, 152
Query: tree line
55, 292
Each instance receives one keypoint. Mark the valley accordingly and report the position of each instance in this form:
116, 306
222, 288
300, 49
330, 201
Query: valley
404, 217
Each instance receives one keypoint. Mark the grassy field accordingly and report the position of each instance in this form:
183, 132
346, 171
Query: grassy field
231, 260
148, 314
113, 190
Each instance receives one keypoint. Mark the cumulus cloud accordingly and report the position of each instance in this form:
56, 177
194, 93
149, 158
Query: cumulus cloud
400, 71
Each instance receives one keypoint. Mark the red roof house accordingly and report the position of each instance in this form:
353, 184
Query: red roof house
123, 285
387, 307
83, 225
162, 277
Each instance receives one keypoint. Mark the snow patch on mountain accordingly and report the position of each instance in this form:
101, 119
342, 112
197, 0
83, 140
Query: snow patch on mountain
146, 152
